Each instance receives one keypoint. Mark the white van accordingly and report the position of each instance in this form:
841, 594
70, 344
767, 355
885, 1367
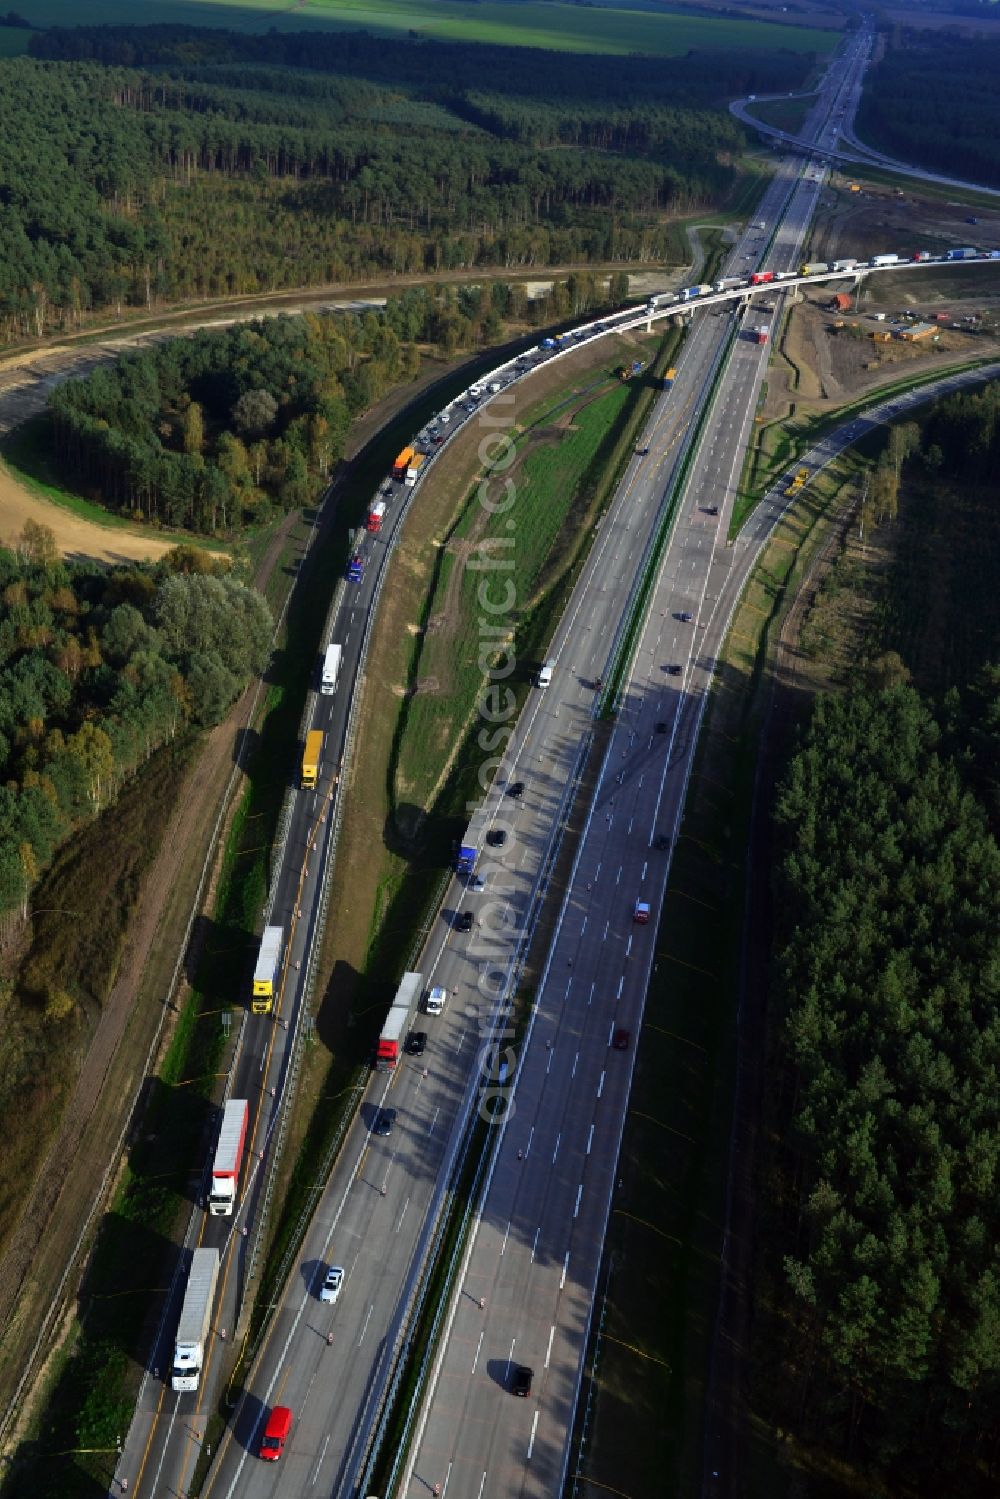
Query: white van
545, 673
434, 1003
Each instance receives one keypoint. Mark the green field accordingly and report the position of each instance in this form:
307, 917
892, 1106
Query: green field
783, 114
567, 28
13, 41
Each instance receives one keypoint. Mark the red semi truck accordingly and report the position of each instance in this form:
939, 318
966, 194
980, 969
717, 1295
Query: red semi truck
228, 1158
390, 1042
376, 515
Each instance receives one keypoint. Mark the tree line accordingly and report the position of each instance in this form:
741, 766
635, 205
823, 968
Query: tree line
934, 99
142, 166
212, 433
98, 669
882, 1199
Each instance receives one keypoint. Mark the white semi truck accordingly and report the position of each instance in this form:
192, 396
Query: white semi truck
196, 1317
228, 1158
331, 670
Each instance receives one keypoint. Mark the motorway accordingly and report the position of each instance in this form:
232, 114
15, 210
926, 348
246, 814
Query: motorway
845, 145
536, 1251
536, 1255
330, 1363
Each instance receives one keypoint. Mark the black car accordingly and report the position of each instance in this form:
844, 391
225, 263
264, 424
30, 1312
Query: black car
416, 1043
496, 838
712, 510
662, 726
673, 670
521, 1383
663, 842
463, 921
384, 1120
684, 616
516, 789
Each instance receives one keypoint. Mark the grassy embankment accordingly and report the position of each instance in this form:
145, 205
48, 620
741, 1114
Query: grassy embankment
561, 28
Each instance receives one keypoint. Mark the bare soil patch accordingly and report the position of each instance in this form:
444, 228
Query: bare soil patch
76, 538
818, 367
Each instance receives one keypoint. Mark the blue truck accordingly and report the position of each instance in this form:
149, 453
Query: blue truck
356, 568
967, 253
471, 843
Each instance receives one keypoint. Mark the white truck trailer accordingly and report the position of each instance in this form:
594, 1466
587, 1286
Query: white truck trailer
331, 670
228, 1158
196, 1316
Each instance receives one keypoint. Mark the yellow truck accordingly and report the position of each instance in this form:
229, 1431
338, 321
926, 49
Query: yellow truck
267, 972
311, 756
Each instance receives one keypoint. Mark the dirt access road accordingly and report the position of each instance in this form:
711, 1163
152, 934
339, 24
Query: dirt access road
27, 377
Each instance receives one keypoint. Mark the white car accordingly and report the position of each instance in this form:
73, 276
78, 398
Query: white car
332, 1284
435, 1002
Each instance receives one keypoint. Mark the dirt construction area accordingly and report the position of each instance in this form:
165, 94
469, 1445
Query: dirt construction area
827, 355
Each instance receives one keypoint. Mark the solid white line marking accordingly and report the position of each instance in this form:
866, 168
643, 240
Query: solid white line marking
590, 1139
621, 982
506, 1232
534, 1245
434, 1119
579, 1194
531, 1439
562, 1278
576, 1059
600, 1086
556, 1151
365, 1328
475, 1361
402, 1215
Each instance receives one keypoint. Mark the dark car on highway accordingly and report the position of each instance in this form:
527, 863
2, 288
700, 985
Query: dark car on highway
521, 1383
496, 838
463, 922
516, 789
416, 1043
384, 1120
684, 616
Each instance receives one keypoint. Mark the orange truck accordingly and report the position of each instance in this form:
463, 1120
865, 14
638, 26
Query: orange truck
402, 463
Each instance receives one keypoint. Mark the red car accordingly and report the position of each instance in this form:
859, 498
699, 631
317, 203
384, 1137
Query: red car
279, 1424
